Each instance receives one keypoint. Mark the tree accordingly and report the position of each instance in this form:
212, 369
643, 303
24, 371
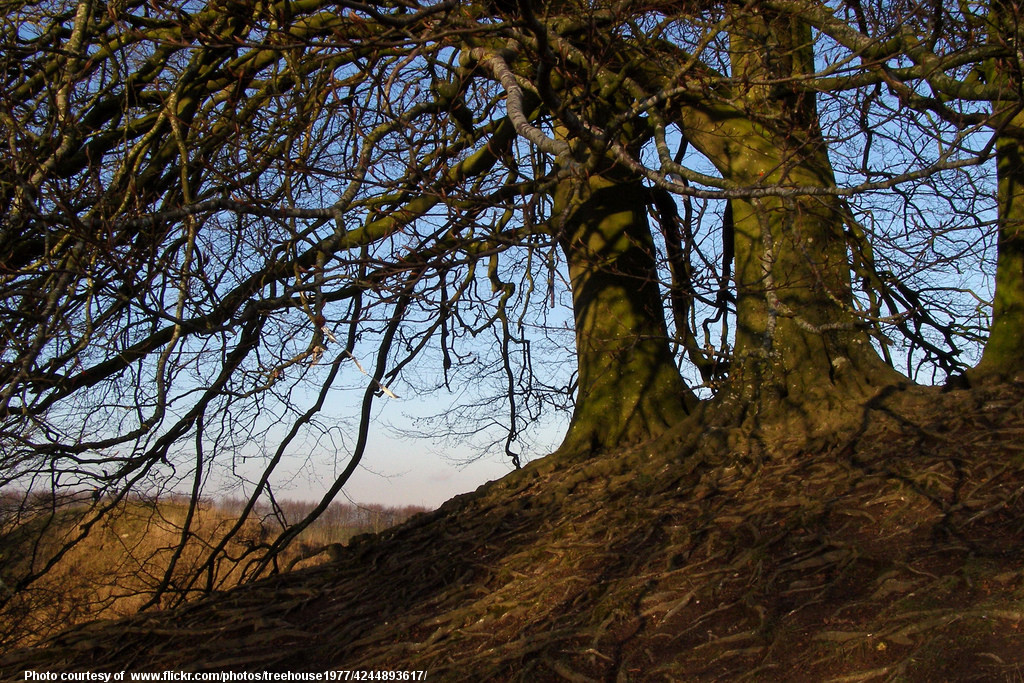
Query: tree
1004, 351
798, 334
212, 212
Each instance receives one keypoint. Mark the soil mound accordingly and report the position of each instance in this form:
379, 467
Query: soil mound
890, 549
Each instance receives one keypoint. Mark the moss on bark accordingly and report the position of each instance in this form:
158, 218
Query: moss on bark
629, 387
1003, 357
799, 339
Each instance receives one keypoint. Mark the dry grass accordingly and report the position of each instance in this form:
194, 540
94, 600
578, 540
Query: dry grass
119, 566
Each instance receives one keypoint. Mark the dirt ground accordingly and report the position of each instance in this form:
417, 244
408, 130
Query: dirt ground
887, 548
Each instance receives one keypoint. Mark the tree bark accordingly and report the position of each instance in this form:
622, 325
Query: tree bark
629, 388
1003, 357
798, 337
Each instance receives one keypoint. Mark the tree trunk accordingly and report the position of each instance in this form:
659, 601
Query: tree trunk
1003, 357
1004, 352
798, 338
629, 387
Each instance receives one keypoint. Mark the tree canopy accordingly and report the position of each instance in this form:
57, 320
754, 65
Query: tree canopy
215, 214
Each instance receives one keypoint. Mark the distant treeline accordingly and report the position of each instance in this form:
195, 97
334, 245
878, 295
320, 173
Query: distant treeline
348, 518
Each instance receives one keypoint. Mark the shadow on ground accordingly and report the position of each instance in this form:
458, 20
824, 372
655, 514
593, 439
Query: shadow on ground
890, 550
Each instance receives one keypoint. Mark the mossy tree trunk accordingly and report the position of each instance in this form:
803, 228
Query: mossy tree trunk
798, 337
629, 388
1004, 352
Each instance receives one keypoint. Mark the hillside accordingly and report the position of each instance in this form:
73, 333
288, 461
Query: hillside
888, 547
